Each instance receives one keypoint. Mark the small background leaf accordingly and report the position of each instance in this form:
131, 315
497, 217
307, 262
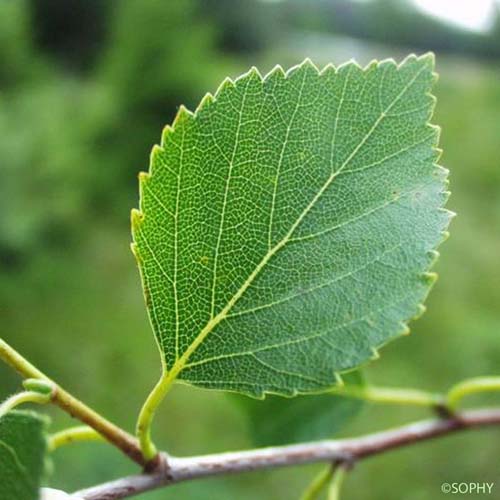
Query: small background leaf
276, 420
22, 455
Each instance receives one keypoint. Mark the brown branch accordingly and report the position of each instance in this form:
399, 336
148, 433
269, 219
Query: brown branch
176, 469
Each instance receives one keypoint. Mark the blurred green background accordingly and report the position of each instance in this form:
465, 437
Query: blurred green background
85, 89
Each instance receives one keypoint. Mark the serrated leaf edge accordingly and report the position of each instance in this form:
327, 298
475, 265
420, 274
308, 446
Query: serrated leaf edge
183, 114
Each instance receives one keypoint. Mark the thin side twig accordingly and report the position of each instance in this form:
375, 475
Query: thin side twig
177, 469
76, 408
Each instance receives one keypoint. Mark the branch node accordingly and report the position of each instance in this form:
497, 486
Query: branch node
443, 411
158, 466
347, 460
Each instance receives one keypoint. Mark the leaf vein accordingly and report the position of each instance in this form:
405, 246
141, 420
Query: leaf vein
280, 161
316, 287
215, 320
226, 194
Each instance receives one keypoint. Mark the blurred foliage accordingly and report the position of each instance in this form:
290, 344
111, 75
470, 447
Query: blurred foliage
69, 140
394, 22
299, 419
85, 89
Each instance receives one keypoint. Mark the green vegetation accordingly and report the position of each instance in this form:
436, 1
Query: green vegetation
74, 134
313, 211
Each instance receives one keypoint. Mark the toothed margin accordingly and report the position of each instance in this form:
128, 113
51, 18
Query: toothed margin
228, 84
183, 114
427, 276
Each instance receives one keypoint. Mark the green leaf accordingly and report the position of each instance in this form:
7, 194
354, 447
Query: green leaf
277, 420
22, 455
287, 227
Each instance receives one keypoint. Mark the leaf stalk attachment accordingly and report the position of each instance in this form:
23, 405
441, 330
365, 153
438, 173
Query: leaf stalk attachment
146, 415
318, 484
338, 476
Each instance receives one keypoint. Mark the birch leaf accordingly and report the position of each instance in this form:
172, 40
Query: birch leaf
287, 227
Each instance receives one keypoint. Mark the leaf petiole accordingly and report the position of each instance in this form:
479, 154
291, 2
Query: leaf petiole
146, 415
338, 476
21, 398
318, 484
72, 435
471, 386
410, 397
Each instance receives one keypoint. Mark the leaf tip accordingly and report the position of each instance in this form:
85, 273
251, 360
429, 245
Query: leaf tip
429, 58
425, 61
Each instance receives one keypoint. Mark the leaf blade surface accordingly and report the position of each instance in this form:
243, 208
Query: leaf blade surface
286, 228
22, 455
